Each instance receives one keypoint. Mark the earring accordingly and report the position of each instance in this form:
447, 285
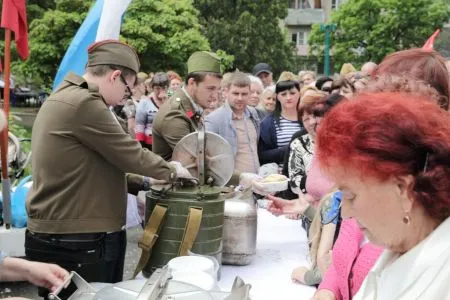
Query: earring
406, 219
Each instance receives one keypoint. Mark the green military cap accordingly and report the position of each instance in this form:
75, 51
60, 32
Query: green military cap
203, 61
287, 76
113, 52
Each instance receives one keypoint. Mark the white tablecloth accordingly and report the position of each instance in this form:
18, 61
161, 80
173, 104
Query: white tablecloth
281, 247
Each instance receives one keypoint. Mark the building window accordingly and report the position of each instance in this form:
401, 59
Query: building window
300, 38
304, 4
292, 4
334, 4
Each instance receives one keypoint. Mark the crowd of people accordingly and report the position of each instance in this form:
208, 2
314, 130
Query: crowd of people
366, 153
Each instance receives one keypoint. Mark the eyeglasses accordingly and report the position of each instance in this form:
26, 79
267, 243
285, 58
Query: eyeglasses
129, 93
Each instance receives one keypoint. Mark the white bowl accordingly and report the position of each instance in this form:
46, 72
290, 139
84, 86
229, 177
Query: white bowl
191, 264
271, 187
201, 279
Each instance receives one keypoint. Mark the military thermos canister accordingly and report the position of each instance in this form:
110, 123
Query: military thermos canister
240, 228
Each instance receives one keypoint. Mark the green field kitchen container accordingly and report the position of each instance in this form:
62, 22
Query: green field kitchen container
178, 201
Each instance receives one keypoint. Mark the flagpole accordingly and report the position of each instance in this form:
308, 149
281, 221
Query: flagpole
4, 140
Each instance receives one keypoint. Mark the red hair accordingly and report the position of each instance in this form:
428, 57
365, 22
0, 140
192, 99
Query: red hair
381, 135
173, 75
428, 66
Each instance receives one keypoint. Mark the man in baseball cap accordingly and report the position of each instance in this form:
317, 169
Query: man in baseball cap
264, 72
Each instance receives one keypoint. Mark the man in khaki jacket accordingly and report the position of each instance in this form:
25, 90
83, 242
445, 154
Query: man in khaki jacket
77, 204
181, 114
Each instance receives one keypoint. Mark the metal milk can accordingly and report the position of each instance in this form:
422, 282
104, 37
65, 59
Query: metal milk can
239, 228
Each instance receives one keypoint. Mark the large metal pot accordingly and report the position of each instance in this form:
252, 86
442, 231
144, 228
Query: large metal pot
239, 228
159, 286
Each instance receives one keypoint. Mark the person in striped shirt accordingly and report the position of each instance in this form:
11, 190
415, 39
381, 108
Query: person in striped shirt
277, 128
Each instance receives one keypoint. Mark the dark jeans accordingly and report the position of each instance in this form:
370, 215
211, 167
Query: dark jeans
97, 257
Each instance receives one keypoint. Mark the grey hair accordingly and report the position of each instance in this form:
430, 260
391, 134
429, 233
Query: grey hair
254, 79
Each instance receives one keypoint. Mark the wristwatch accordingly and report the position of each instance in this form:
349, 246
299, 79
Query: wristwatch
146, 183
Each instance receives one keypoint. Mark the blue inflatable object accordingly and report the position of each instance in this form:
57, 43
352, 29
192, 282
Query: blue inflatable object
18, 199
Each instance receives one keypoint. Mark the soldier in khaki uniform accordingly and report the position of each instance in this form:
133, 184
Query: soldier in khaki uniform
181, 114
77, 204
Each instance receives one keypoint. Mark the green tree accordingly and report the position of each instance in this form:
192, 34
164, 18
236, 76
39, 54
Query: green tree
164, 32
37, 8
49, 38
368, 30
249, 30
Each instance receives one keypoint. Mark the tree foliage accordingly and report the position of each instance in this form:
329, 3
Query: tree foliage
368, 30
164, 32
49, 38
249, 30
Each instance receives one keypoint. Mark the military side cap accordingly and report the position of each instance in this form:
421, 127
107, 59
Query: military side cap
347, 68
113, 52
287, 76
203, 61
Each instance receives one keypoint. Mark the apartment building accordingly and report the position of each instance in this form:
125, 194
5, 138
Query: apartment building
302, 14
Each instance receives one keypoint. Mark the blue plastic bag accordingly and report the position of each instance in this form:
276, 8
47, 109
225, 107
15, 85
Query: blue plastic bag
18, 199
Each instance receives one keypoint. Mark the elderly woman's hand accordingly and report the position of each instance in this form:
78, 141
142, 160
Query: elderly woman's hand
278, 206
298, 274
324, 295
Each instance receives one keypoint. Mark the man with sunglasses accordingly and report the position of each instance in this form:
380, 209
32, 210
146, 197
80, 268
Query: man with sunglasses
77, 204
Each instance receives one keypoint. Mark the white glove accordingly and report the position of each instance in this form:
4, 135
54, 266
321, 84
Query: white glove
182, 172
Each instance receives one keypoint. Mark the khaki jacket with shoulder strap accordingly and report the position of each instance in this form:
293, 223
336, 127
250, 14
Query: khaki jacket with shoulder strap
175, 119
80, 158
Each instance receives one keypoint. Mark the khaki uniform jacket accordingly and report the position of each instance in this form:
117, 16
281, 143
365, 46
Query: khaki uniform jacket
175, 119
80, 157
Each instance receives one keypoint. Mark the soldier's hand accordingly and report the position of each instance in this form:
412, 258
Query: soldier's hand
182, 172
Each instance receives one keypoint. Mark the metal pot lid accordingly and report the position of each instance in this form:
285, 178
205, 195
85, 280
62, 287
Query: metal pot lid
219, 158
130, 290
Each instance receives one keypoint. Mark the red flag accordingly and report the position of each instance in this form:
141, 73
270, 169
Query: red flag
14, 17
428, 46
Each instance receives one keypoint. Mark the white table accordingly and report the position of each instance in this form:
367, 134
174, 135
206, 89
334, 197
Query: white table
281, 247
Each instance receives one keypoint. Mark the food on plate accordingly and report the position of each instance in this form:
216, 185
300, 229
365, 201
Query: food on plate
274, 178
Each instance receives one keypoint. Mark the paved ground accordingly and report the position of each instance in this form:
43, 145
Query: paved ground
132, 256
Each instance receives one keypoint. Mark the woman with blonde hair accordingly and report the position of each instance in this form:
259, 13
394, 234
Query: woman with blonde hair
306, 77
321, 239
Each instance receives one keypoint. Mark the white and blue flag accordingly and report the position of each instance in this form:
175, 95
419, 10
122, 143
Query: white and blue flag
102, 23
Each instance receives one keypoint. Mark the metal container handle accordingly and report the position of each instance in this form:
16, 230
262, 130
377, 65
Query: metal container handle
79, 282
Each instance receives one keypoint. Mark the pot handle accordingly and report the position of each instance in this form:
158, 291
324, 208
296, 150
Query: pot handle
79, 282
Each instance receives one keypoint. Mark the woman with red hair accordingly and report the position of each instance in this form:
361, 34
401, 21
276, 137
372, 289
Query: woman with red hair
427, 66
389, 154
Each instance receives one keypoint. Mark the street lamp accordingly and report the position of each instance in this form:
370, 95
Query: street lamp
328, 29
